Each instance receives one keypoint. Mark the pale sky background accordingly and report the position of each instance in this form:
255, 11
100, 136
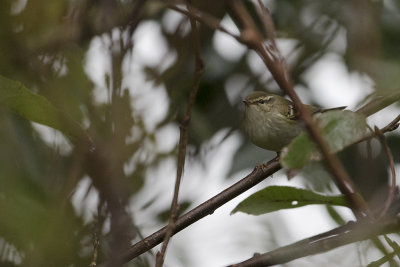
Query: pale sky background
219, 239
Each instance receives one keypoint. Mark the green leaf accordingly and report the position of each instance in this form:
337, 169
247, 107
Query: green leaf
16, 97
339, 129
274, 198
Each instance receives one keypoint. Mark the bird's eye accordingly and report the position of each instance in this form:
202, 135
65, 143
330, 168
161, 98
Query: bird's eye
265, 100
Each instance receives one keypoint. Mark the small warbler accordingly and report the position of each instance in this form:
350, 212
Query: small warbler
271, 121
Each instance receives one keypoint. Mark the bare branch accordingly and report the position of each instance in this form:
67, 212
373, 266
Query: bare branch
390, 197
266, 18
393, 125
96, 244
347, 234
204, 209
379, 103
204, 18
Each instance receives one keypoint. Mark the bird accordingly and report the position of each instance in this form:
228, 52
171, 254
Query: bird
271, 121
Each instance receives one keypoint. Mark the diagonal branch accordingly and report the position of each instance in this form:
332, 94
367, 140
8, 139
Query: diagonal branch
204, 18
347, 234
390, 197
265, 16
206, 208
379, 102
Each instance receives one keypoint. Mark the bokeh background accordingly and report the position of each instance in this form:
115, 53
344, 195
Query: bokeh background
123, 70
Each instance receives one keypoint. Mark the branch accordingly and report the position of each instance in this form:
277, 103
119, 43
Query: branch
393, 125
201, 211
273, 60
96, 244
388, 152
354, 232
379, 103
265, 16
204, 18
199, 68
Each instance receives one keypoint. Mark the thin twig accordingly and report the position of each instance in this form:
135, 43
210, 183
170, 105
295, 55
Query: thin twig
359, 231
393, 125
199, 68
199, 212
204, 18
264, 14
390, 197
96, 244
276, 66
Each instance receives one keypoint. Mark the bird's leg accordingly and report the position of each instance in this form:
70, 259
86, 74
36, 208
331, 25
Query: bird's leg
265, 165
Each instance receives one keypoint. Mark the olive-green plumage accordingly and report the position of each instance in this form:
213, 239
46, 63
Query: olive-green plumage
271, 121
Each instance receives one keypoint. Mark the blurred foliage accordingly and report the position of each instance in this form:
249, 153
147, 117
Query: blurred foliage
45, 46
